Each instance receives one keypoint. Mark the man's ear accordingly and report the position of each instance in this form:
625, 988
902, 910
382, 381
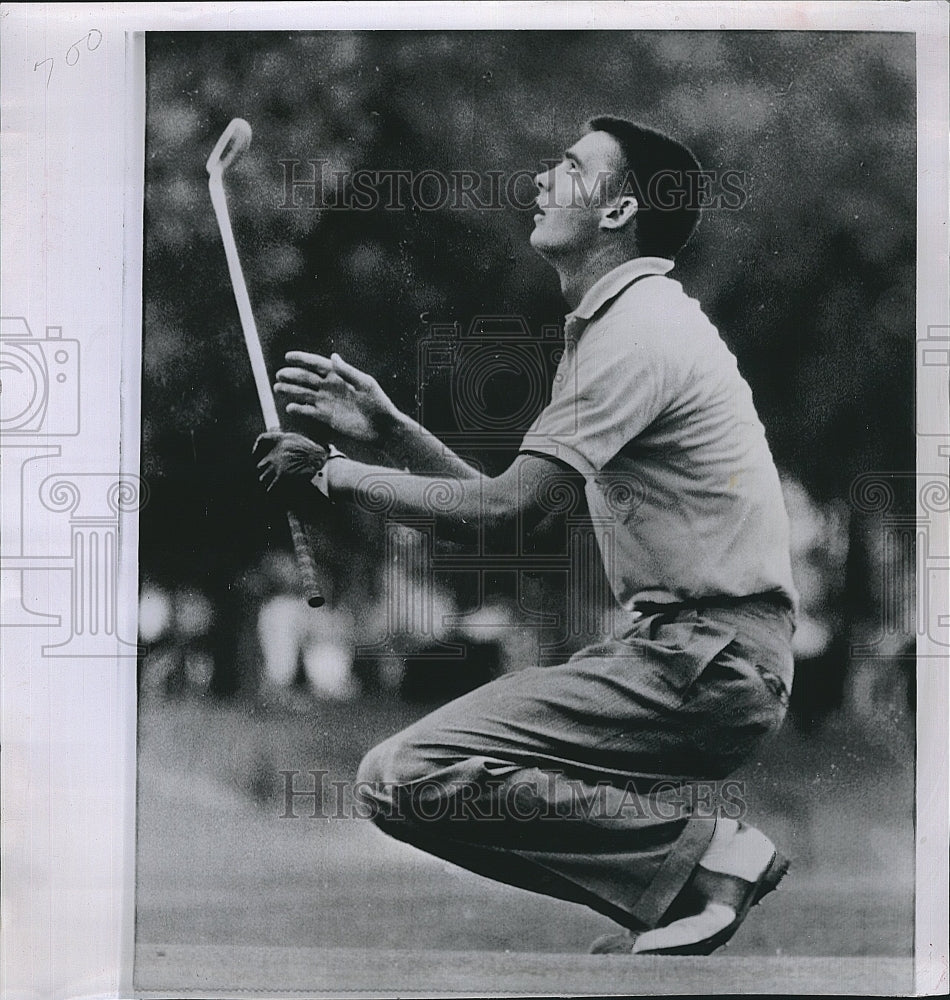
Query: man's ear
620, 213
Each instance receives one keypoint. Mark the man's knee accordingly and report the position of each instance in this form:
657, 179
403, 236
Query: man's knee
374, 765
385, 781
394, 762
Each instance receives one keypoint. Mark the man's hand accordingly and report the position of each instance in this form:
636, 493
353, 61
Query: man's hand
287, 463
336, 394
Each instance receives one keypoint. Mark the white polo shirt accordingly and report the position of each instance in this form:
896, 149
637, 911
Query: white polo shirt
649, 406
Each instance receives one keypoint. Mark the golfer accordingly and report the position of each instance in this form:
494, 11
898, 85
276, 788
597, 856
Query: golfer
574, 780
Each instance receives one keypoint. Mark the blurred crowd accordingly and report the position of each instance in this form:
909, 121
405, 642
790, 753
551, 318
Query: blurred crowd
412, 635
400, 637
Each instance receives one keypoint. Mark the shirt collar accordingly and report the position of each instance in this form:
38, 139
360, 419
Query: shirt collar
614, 282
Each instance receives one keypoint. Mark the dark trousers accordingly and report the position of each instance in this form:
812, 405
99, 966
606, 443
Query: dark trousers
595, 781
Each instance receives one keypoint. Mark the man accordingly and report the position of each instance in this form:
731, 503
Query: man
649, 412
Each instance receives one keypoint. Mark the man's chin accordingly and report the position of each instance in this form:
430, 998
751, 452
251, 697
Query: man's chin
539, 244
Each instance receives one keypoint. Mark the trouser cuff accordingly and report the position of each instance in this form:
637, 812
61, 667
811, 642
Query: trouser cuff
675, 871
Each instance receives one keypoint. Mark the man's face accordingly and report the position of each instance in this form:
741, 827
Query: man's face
572, 196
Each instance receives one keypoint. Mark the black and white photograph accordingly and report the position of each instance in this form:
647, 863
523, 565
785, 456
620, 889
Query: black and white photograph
622, 629
539, 519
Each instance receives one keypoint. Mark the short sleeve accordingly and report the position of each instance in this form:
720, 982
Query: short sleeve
603, 397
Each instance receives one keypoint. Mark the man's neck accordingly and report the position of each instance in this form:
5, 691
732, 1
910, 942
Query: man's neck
579, 276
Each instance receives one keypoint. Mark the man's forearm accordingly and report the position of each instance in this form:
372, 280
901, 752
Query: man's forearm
461, 507
411, 447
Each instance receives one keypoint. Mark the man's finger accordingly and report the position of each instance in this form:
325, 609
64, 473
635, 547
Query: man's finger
306, 410
353, 376
297, 392
265, 443
268, 436
304, 377
315, 362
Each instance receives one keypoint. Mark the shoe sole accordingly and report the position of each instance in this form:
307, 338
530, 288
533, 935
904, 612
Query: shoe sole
776, 870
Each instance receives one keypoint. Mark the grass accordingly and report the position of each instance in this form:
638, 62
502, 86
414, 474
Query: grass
218, 868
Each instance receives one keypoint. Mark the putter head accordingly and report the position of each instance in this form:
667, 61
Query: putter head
234, 140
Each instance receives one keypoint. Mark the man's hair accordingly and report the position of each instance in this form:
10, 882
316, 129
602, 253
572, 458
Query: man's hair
661, 173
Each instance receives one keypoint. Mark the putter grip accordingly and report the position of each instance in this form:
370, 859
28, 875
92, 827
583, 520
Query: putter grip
308, 572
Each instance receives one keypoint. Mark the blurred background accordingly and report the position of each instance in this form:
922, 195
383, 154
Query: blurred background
812, 285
